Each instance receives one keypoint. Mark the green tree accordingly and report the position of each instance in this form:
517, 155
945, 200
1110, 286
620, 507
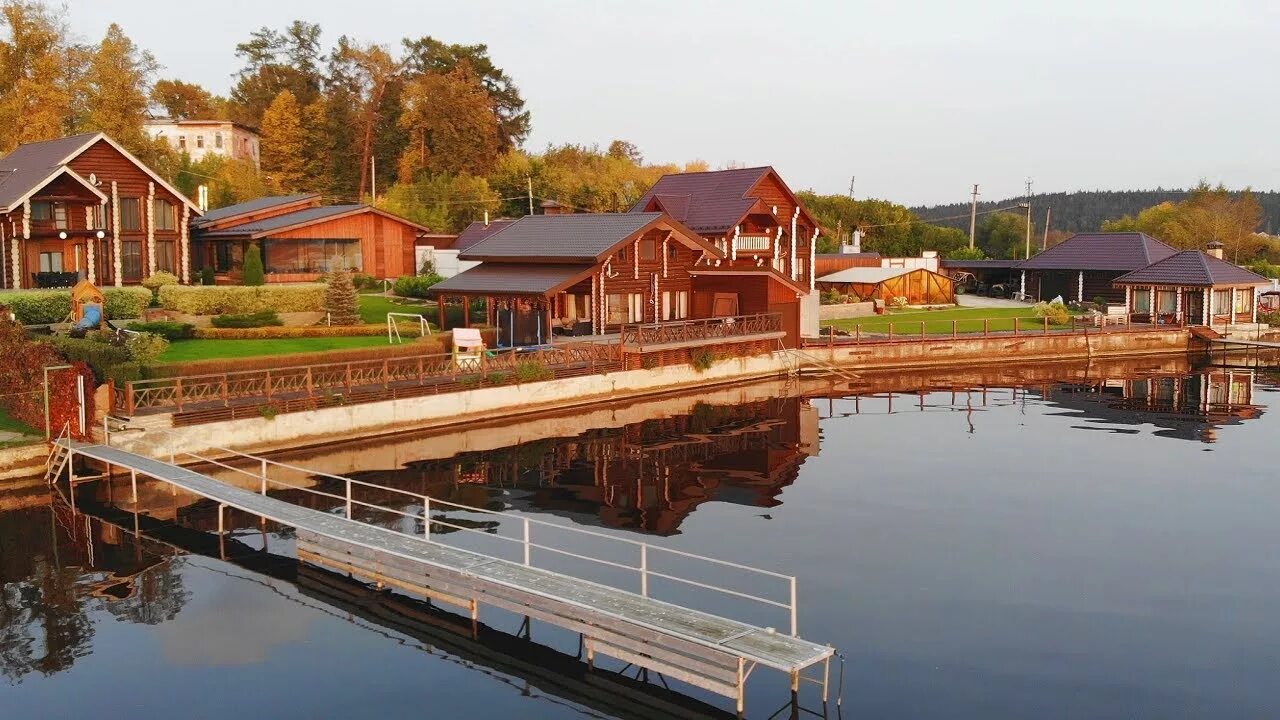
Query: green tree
275, 61
117, 92
253, 272
451, 125
341, 300
1207, 214
428, 56
284, 157
1003, 235
229, 181
444, 203
369, 72
37, 85
966, 253
187, 101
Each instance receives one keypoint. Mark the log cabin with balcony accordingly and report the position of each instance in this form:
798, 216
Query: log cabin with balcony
83, 208
301, 239
629, 277
767, 238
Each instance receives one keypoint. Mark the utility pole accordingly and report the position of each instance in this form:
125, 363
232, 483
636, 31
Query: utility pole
973, 216
1028, 253
1048, 214
373, 178
529, 185
851, 179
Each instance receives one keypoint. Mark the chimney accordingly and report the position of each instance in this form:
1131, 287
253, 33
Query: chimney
1215, 249
854, 246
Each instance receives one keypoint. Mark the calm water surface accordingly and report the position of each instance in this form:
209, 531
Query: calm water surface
1100, 548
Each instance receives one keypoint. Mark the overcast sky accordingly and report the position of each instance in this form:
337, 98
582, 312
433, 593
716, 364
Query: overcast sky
919, 100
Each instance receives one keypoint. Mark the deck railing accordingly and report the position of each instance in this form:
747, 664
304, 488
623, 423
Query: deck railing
926, 330
537, 544
707, 330
331, 380
753, 243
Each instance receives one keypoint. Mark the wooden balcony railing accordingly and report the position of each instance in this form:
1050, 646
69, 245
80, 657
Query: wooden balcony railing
753, 243
704, 331
331, 380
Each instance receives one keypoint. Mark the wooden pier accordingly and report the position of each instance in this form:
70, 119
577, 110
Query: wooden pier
705, 650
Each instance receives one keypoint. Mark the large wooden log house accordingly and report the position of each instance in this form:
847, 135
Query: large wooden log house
83, 208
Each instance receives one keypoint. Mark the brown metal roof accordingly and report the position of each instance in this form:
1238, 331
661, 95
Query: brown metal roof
585, 237
511, 278
1125, 251
30, 166
708, 202
1192, 268
249, 207
478, 231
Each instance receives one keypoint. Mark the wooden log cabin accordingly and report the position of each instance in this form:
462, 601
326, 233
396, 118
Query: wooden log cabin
1192, 287
545, 276
301, 239
1085, 266
767, 238
83, 208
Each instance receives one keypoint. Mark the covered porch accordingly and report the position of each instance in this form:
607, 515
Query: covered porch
1193, 288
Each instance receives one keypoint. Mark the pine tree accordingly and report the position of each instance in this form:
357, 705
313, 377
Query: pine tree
284, 144
341, 300
253, 273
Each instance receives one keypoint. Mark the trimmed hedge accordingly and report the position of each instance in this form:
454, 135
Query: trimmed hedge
43, 307
103, 357
220, 299
167, 329
261, 318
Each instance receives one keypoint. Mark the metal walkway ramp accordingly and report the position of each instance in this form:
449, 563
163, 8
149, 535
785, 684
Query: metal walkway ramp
703, 649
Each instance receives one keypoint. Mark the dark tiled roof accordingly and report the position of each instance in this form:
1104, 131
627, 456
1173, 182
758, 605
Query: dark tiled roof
979, 264
1192, 268
478, 231
559, 238
859, 255
298, 217
1101, 251
710, 202
250, 206
500, 278
24, 169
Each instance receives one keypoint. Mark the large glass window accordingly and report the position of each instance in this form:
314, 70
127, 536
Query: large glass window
627, 308
165, 256
131, 260
41, 211
1167, 301
1244, 301
311, 256
1221, 302
1142, 301
130, 214
166, 216
50, 262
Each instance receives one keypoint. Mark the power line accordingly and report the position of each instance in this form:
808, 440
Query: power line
940, 219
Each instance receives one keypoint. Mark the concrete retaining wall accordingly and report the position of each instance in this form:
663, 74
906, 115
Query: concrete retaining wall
846, 310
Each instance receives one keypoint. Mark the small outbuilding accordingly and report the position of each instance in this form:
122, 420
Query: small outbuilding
1195, 288
918, 285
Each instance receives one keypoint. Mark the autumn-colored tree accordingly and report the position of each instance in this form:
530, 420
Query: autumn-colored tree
368, 72
284, 157
229, 181
188, 101
275, 61
451, 124
429, 56
444, 203
1207, 214
117, 89
37, 85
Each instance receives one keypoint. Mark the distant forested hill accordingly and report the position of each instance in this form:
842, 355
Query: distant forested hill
1087, 209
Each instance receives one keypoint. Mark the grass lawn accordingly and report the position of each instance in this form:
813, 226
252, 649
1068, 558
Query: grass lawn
938, 322
374, 308
188, 350
8, 425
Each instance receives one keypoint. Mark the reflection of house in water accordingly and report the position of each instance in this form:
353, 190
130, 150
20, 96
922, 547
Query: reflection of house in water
1189, 407
648, 475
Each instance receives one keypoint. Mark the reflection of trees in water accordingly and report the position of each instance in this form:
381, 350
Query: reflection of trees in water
48, 587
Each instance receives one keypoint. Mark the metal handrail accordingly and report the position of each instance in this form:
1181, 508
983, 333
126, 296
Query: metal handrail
917, 330
427, 502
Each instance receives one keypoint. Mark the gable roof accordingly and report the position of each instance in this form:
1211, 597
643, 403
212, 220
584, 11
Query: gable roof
33, 165
477, 231
585, 237
1192, 268
866, 275
512, 278
1124, 251
251, 206
710, 202
299, 218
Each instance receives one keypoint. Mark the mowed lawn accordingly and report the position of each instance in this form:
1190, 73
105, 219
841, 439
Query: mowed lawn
939, 322
9, 425
199, 349
374, 308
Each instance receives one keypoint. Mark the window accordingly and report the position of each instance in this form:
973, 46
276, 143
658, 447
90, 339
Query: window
800, 267
310, 256
130, 214
166, 217
648, 249
1244, 301
41, 211
217, 140
1221, 302
60, 215
666, 305
622, 255
182, 142
627, 308
165, 256
677, 310
131, 260
673, 251
225, 255
96, 219
199, 141
682, 304
50, 262
1141, 301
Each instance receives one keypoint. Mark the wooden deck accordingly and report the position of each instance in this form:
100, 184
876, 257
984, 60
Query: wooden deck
705, 650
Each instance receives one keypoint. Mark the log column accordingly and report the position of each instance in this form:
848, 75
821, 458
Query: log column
151, 229
184, 244
116, 250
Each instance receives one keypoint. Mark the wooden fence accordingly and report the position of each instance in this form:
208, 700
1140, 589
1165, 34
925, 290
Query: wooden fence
734, 328
295, 386
925, 330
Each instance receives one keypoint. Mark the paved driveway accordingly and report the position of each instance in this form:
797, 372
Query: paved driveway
979, 301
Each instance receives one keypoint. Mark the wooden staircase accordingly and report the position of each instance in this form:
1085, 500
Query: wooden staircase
1205, 333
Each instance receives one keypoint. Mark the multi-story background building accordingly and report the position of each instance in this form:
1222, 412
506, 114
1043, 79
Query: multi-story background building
199, 138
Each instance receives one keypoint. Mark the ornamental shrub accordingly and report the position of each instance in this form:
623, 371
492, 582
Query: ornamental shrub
363, 281
126, 303
167, 329
532, 371
157, 280
1056, 312
253, 273
207, 276
43, 307
1271, 318
261, 318
146, 348
417, 286
342, 301
702, 359
220, 299
101, 356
